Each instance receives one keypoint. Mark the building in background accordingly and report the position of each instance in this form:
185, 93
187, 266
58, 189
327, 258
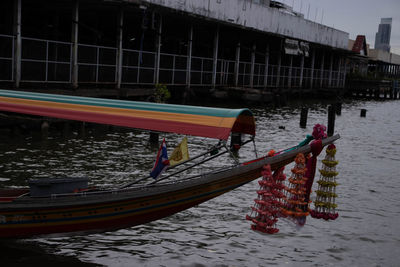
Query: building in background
382, 37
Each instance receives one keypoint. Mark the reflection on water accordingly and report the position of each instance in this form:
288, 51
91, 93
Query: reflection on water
367, 232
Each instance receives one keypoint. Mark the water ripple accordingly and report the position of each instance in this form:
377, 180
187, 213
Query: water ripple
215, 233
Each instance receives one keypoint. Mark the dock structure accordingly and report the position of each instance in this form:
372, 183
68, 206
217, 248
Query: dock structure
123, 48
373, 73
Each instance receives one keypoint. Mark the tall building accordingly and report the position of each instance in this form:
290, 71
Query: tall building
382, 37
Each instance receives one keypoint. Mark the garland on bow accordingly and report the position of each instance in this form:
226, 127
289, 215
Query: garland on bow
326, 194
266, 209
296, 206
272, 203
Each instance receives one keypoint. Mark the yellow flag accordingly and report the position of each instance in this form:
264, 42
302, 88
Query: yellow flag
180, 153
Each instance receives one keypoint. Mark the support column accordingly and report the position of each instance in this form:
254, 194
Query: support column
330, 71
339, 67
215, 57
18, 43
266, 66
344, 72
188, 63
322, 70
120, 52
253, 61
74, 37
301, 71
237, 64
278, 72
158, 53
312, 69
290, 72
189, 57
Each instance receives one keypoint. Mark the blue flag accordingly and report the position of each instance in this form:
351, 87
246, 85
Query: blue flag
162, 161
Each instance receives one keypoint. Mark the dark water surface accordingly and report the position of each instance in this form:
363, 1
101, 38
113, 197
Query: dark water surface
215, 233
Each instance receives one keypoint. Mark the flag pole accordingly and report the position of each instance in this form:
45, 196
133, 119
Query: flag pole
201, 162
218, 146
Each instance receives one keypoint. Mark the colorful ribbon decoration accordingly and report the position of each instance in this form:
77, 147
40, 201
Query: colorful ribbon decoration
325, 206
267, 207
272, 203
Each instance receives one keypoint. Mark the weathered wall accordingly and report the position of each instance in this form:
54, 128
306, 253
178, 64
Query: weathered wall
259, 17
384, 56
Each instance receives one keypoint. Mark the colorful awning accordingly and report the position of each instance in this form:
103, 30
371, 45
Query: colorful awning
191, 120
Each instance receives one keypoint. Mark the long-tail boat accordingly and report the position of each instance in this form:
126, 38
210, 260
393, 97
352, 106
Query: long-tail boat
26, 213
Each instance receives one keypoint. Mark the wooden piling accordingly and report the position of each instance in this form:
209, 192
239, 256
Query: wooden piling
377, 94
331, 120
16, 131
284, 99
303, 117
153, 138
45, 130
338, 108
66, 129
277, 101
363, 113
82, 129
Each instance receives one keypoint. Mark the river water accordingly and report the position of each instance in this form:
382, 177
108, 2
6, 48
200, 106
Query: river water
215, 233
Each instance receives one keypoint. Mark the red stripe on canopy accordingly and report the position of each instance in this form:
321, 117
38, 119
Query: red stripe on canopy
126, 121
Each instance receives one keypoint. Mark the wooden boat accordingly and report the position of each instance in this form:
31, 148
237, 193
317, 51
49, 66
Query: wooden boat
24, 214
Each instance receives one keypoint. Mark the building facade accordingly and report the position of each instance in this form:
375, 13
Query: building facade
132, 45
382, 37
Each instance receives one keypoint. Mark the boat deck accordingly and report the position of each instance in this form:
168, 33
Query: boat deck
8, 195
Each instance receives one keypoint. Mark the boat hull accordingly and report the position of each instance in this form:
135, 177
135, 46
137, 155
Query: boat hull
110, 210
111, 215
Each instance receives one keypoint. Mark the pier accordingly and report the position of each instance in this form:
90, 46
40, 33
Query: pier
230, 49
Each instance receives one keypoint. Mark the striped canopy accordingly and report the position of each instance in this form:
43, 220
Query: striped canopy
191, 120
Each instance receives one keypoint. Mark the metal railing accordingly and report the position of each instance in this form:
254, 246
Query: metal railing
47, 61
173, 69
201, 71
138, 67
6, 58
97, 64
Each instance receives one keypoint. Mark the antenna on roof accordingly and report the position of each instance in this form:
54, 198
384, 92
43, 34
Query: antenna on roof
322, 17
301, 6
316, 13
